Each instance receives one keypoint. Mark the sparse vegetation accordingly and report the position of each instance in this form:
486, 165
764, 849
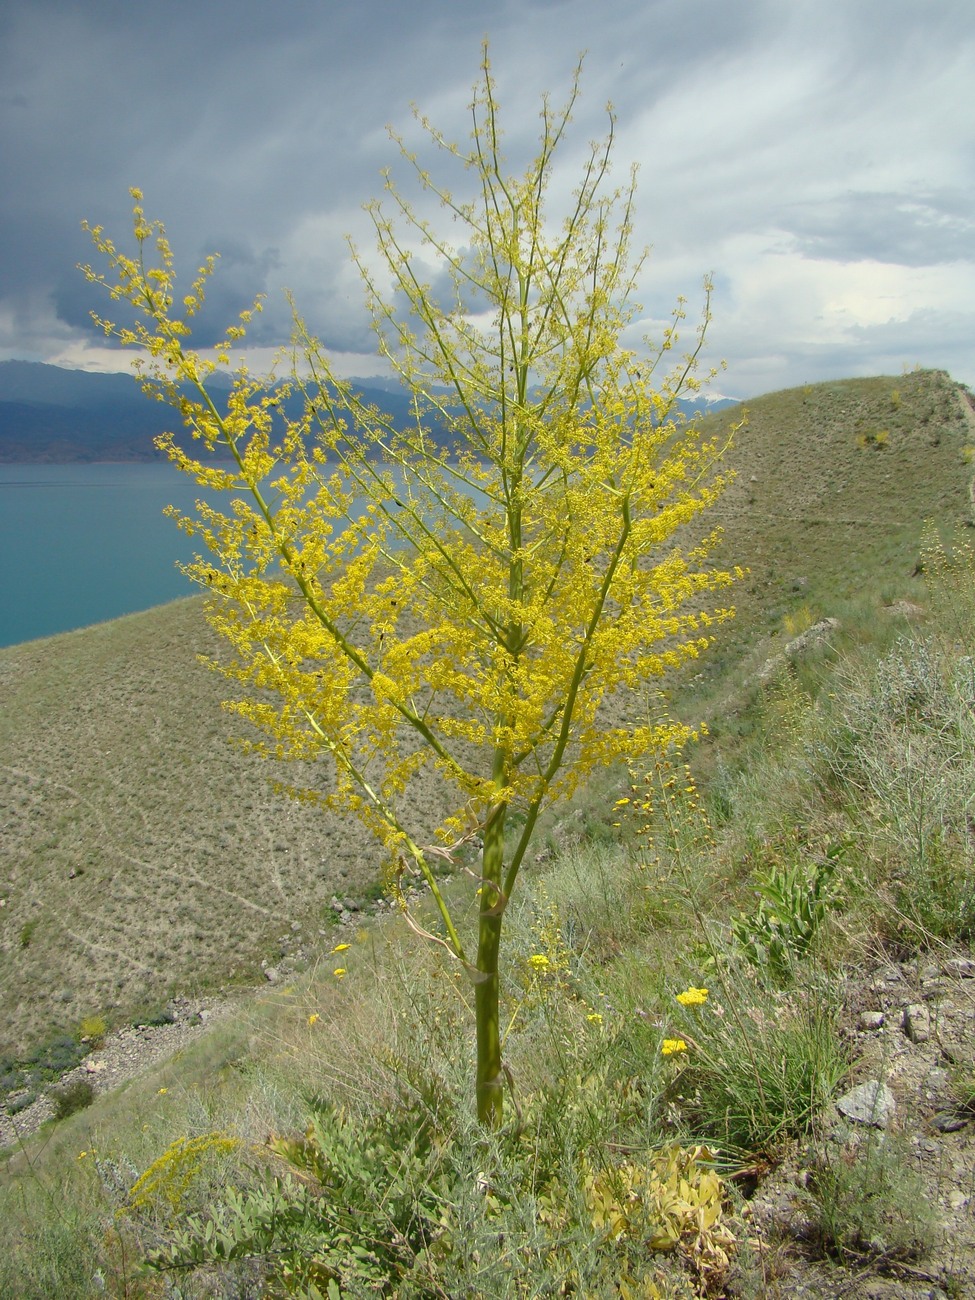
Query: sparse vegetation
868, 1203
634, 925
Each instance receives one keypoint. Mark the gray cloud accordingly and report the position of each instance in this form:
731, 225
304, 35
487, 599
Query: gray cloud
786, 148
909, 229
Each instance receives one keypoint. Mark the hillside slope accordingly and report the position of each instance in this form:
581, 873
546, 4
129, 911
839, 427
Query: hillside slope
834, 484
144, 854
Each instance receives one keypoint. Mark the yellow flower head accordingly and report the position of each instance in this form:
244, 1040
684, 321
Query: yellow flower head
692, 997
339, 972
595, 1018
314, 1018
341, 947
670, 1046
539, 961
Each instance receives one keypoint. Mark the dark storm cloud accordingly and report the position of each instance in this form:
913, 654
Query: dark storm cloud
776, 142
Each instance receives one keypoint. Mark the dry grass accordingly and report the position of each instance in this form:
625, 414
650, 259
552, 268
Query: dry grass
143, 852
821, 513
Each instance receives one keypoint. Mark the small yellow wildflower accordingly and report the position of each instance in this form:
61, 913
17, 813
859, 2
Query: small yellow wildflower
338, 972
314, 1018
692, 997
163, 1091
670, 1046
341, 947
595, 1018
539, 961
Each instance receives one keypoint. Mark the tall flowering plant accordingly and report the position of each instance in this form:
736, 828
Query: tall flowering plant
503, 579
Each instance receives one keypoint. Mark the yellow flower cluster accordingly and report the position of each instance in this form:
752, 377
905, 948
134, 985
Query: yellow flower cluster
692, 997
671, 1046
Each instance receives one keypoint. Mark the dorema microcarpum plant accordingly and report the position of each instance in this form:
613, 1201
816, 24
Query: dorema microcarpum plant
396, 601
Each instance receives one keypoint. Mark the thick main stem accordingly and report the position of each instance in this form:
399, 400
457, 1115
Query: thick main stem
489, 1075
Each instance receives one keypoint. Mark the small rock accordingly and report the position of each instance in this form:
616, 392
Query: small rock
961, 968
949, 1122
870, 1019
272, 974
917, 1022
870, 1103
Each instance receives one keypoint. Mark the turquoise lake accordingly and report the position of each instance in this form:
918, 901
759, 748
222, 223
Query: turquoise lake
80, 544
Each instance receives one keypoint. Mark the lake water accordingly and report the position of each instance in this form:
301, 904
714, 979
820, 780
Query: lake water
80, 544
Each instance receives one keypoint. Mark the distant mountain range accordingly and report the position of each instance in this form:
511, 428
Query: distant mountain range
48, 413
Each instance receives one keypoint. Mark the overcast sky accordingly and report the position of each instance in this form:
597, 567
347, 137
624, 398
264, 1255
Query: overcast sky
816, 156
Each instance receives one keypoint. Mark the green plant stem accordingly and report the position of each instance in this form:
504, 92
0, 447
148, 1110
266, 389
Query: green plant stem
487, 1012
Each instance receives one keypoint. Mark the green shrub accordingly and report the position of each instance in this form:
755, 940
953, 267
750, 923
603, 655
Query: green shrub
11, 1075
153, 1015
16, 1104
72, 1097
794, 899
356, 1203
55, 1056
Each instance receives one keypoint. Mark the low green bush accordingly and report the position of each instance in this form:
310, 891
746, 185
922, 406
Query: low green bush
71, 1097
867, 1200
55, 1056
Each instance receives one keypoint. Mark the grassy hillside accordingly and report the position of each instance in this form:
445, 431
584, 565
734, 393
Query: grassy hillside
717, 969
144, 854
834, 484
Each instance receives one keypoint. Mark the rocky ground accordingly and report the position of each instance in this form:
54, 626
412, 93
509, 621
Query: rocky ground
123, 1055
894, 1165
